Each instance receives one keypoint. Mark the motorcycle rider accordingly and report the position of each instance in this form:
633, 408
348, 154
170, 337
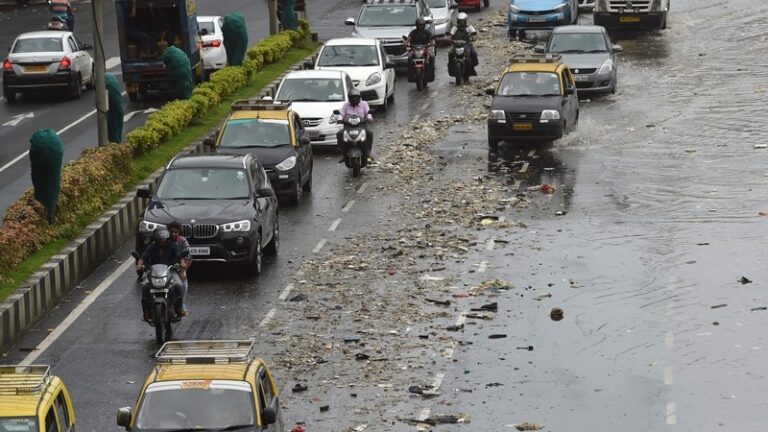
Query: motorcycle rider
174, 229
355, 106
63, 9
421, 36
463, 31
162, 251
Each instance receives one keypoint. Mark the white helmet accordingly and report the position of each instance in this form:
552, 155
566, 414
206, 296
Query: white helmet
461, 20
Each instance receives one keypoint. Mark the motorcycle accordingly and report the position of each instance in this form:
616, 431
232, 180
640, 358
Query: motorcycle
419, 66
459, 67
159, 281
354, 138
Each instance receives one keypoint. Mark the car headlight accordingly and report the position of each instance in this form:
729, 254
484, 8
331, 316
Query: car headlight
550, 115
286, 164
440, 21
513, 9
241, 226
159, 282
148, 227
496, 115
375, 78
561, 7
606, 67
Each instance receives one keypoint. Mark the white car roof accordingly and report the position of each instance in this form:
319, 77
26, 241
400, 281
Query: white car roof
350, 41
207, 18
43, 34
316, 74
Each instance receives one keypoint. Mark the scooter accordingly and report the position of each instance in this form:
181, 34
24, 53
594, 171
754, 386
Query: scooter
354, 138
459, 67
159, 281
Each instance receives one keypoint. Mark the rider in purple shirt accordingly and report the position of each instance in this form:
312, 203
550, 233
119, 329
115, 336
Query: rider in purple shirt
359, 107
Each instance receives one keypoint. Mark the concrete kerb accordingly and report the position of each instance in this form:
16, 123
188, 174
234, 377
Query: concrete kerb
44, 289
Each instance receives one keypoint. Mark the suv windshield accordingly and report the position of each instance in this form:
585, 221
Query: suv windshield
577, 42
41, 44
196, 405
204, 184
388, 15
530, 84
349, 55
242, 133
18, 424
311, 90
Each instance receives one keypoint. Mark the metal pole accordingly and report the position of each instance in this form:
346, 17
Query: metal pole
272, 7
100, 70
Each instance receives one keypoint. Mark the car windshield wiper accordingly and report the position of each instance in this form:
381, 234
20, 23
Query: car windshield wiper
596, 51
519, 95
190, 198
548, 94
256, 146
570, 51
236, 427
306, 100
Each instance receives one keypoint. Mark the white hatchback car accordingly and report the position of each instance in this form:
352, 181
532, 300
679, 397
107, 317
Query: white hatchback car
214, 54
44, 60
444, 13
315, 94
366, 63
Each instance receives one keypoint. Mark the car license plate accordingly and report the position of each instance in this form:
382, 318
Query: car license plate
200, 251
158, 291
629, 19
537, 20
522, 126
36, 68
313, 134
580, 77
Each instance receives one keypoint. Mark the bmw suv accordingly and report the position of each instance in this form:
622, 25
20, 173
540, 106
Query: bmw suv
224, 203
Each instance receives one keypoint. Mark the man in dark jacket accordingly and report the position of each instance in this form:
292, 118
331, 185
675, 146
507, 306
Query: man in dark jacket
162, 251
421, 36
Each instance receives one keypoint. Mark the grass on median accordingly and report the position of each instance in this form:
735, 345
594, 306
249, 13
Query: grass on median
150, 162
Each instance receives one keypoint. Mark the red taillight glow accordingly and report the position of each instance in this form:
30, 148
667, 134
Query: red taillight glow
7, 65
212, 44
65, 63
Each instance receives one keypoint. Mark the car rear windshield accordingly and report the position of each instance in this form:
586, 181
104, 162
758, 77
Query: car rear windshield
530, 84
387, 15
206, 27
243, 133
349, 55
41, 44
196, 405
436, 3
577, 43
311, 90
18, 424
204, 184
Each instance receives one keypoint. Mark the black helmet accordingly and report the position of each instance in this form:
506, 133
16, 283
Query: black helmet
421, 23
162, 235
354, 96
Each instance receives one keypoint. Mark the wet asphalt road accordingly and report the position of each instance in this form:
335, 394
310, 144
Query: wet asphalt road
660, 185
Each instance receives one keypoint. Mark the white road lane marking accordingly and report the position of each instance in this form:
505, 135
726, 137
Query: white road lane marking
490, 244
524, 168
348, 207
531, 153
516, 184
362, 188
112, 62
462, 319
75, 314
425, 106
669, 377
286, 292
319, 246
334, 225
438, 381
483, 265
66, 128
669, 341
424, 414
671, 413
267, 318
19, 118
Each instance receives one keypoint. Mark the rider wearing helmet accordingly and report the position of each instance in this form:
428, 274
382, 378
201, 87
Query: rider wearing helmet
355, 106
162, 251
422, 36
464, 31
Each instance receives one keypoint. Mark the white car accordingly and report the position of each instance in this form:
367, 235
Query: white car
44, 60
315, 94
366, 63
214, 54
444, 13
586, 4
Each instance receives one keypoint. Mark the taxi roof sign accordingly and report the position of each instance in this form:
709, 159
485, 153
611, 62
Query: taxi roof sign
17, 380
536, 58
259, 105
205, 352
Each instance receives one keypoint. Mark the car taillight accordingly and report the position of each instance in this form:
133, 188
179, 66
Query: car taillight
212, 44
7, 65
65, 63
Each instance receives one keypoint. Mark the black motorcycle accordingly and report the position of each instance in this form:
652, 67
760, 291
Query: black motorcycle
460, 67
354, 138
158, 280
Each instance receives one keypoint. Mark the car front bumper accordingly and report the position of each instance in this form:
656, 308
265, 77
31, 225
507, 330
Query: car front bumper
225, 247
374, 94
283, 182
531, 21
442, 29
31, 81
503, 130
595, 83
324, 134
640, 21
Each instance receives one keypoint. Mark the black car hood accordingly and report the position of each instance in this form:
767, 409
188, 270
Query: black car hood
268, 156
523, 104
201, 211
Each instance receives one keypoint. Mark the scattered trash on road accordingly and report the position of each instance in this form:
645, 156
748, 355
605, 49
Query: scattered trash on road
529, 426
722, 305
542, 296
743, 280
759, 308
298, 388
490, 307
527, 348
556, 314
439, 302
497, 336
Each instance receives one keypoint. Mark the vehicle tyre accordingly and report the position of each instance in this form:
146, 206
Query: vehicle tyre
458, 70
159, 321
391, 98
10, 95
256, 260
77, 89
92, 83
493, 143
356, 167
168, 331
298, 190
133, 96
385, 105
576, 123
486, 3
274, 246
308, 183
664, 23
419, 80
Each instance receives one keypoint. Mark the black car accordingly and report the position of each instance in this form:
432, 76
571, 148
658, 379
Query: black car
535, 100
275, 134
224, 203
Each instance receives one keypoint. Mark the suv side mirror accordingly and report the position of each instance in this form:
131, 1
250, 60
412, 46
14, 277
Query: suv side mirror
124, 417
428, 19
539, 48
209, 143
309, 65
490, 91
618, 48
349, 21
453, 5
389, 64
86, 47
569, 90
265, 192
268, 416
304, 140
144, 192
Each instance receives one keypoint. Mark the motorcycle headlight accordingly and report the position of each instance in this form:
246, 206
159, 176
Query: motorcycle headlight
550, 115
148, 227
606, 67
561, 7
460, 51
241, 226
375, 78
286, 164
354, 121
159, 282
513, 9
496, 115
418, 54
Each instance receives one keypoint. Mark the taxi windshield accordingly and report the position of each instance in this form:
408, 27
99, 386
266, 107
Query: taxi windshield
530, 84
204, 184
311, 90
196, 405
18, 424
244, 133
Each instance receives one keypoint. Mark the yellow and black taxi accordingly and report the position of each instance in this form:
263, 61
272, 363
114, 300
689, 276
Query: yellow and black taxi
535, 100
206, 386
275, 134
33, 400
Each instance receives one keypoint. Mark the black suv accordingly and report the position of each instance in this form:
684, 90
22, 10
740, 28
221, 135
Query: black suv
224, 203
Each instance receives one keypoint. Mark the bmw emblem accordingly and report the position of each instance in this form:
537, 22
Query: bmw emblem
630, 5
192, 221
523, 116
575, 71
